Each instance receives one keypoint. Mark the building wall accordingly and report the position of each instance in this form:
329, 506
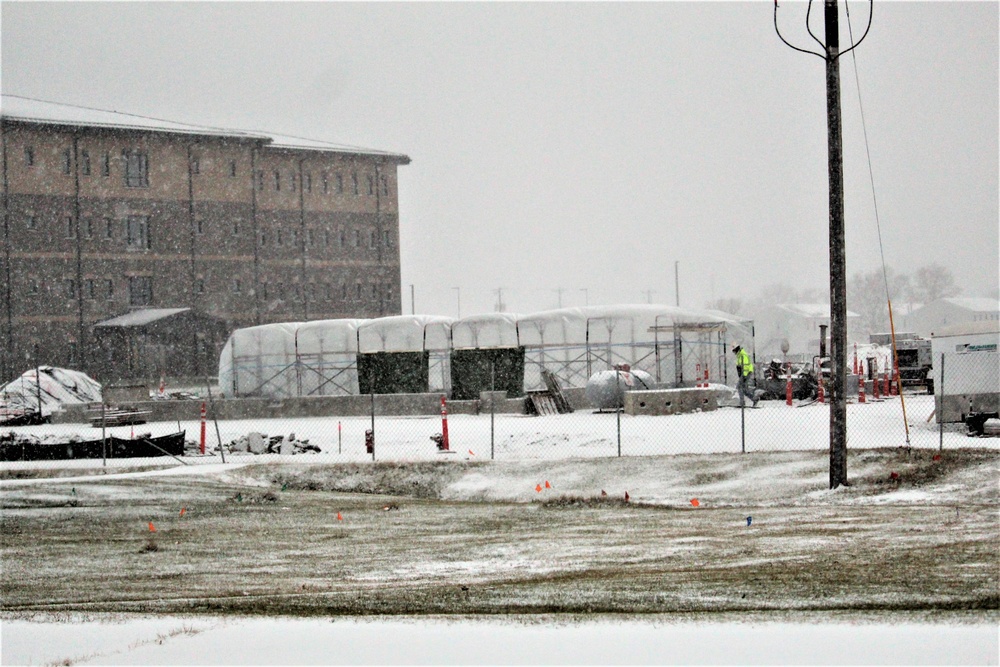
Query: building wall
230, 226
944, 313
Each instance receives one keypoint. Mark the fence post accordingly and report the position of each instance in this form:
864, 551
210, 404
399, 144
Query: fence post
743, 425
619, 408
940, 393
373, 423
493, 389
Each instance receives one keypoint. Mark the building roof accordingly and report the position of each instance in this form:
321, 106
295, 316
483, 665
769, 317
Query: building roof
29, 110
975, 304
141, 317
817, 310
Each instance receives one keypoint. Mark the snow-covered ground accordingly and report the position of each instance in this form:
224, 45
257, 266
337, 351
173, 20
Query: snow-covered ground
284, 641
584, 434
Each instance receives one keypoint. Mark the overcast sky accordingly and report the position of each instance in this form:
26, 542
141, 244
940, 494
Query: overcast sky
581, 147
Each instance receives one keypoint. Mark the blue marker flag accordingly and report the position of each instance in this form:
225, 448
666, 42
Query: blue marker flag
749, 520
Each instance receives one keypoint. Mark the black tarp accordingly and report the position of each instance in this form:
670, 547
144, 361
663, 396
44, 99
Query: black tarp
393, 372
472, 372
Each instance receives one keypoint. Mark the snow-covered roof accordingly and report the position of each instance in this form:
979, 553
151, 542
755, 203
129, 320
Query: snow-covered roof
142, 317
405, 333
815, 310
975, 304
15, 107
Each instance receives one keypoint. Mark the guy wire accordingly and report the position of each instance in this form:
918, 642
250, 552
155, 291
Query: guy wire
878, 228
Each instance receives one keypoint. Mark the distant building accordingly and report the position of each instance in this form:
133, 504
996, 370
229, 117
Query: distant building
798, 324
951, 311
106, 213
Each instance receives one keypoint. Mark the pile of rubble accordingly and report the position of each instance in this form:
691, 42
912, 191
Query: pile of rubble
259, 443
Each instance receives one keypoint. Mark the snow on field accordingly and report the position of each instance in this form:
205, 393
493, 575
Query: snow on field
284, 641
583, 434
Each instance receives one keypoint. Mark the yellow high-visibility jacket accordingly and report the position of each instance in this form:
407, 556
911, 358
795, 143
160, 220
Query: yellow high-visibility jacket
743, 363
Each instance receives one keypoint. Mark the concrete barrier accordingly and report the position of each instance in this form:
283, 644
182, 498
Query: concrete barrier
312, 406
670, 401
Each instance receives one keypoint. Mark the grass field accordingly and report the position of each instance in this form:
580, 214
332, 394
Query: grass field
459, 537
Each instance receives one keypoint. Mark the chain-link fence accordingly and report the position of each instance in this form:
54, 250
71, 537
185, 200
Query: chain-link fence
786, 409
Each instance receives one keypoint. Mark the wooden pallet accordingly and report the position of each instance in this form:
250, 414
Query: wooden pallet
117, 417
543, 402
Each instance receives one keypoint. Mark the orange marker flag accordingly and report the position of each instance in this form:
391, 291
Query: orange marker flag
694, 501
183, 509
538, 488
547, 485
152, 528
626, 496
339, 517
471, 453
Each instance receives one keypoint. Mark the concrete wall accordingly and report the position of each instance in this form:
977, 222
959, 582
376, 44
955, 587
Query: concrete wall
670, 401
312, 406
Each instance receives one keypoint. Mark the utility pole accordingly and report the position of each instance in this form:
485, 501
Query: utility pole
677, 284
838, 269
413, 309
559, 291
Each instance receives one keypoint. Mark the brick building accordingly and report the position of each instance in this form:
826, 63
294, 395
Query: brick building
107, 213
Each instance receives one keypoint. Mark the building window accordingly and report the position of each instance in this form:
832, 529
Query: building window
67, 161
309, 237
385, 186
137, 232
343, 291
30, 223
29, 156
85, 162
294, 180
354, 181
308, 182
281, 291
32, 286
70, 227
199, 226
199, 285
357, 238
329, 291
263, 239
386, 238
237, 285
88, 228
195, 165
277, 180
236, 228
343, 238
340, 184
232, 168
260, 179
136, 169
69, 288
326, 237
89, 288
358, 285
326, 184
263, 290
72, 350
140, 290
106, 164
371, 185
312, 291
295, 238
109, 228
374, 290
372, 235
277, 237
109, 285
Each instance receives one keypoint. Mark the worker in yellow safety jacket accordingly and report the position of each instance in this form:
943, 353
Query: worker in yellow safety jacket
744, 376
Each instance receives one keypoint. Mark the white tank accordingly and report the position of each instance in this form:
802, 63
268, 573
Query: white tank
606, 389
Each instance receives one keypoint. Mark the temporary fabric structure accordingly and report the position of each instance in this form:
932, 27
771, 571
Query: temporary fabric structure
46, 391
404, 354
678, 347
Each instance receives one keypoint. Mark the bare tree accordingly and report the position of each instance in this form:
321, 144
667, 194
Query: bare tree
933, 282
866, 296
733, 306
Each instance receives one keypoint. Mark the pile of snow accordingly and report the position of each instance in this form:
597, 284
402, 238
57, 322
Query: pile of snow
57, 387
